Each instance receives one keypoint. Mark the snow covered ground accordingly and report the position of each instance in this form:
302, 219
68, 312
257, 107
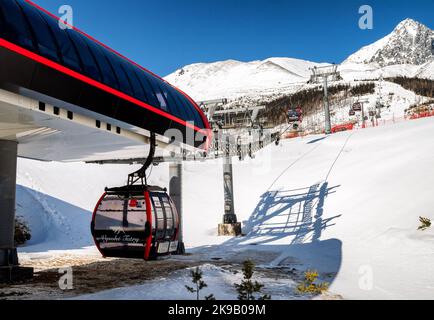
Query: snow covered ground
346, 205
219, 280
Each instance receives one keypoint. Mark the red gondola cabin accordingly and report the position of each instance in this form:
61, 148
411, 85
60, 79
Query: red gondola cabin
135, 222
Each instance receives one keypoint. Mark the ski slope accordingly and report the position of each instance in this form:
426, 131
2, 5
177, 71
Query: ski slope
346, 205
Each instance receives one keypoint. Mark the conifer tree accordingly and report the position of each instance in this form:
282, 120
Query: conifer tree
248, 288
425, 223
196, 278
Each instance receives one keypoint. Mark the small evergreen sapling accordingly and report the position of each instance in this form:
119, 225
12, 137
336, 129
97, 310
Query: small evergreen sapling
425, 223
248, 288
196, 278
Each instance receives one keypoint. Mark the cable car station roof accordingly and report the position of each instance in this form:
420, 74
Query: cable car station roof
59, 86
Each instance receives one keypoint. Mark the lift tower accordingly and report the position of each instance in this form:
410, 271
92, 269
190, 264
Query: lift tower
230, 225
326, 74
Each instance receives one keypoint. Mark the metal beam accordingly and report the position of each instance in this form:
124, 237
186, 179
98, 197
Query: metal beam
41, 130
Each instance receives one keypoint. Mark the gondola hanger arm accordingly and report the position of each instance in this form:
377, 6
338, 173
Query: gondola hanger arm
141, 173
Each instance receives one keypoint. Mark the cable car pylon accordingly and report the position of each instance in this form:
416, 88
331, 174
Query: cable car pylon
230, 225
326, 74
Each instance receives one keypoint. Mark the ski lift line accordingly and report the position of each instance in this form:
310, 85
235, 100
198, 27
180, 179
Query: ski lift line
281, 135
309, 152
150, 172
293, 163
338, 156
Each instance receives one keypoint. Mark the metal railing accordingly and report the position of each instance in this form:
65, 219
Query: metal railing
239, 143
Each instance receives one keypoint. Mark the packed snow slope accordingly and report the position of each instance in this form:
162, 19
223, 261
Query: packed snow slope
347, 205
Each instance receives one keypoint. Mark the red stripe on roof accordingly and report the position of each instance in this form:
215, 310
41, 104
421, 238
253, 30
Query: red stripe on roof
204, 118
35, 57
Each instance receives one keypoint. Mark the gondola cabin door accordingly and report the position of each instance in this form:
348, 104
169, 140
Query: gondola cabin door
135, 223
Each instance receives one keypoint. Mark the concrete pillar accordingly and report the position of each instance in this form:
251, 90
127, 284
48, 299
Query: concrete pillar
175, 192
8, 172
9, 270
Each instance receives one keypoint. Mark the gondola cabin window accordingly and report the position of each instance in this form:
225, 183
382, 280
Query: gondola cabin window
110, 214
160, 218
169, 218
136, 214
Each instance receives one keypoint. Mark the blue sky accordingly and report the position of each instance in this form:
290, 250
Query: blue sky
165, 35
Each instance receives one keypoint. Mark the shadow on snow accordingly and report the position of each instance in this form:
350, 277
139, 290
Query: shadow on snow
317, 140
289, 223
54, 224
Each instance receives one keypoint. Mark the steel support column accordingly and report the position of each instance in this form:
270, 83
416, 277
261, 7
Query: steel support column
328, 125
230, 225
229, 216
175, 192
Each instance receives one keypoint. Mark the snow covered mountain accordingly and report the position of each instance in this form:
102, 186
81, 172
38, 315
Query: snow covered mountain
204, 81
404, 52
409, 43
